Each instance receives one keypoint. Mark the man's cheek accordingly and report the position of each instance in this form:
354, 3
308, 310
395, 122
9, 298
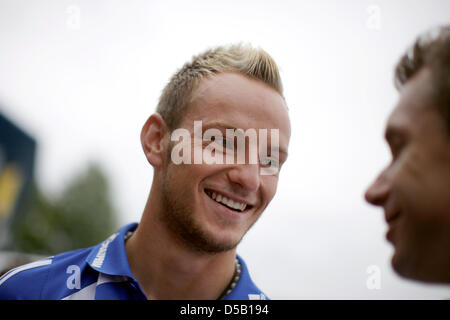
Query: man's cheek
269, 188
438, 190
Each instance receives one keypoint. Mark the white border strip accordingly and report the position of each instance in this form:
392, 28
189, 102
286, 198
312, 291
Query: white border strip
25, 267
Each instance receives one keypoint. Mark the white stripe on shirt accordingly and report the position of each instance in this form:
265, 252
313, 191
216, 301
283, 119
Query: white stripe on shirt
23, 268
88, 292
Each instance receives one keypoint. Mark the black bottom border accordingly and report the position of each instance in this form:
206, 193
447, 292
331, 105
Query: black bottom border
261, 309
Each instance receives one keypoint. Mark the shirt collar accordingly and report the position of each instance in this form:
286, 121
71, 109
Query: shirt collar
110, 257
245, 288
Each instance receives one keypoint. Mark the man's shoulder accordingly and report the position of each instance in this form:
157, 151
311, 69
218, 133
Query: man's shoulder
72, 272
41, 279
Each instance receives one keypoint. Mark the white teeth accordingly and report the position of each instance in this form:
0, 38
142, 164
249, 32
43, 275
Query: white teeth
235, 205
230, 203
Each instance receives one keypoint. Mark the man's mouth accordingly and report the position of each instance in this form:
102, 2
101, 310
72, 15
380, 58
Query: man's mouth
229, 203
391, 215
391, 218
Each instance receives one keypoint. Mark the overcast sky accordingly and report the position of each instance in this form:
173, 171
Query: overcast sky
83, 76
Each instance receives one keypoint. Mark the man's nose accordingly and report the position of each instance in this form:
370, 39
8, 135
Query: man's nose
378, 192
246, 176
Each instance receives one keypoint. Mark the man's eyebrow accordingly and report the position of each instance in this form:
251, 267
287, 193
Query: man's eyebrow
219, 124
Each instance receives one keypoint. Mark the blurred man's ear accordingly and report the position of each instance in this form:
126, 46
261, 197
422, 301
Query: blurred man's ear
153, 136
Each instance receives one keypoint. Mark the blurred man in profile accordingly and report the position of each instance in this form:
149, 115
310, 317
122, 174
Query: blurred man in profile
197, 211
414, 188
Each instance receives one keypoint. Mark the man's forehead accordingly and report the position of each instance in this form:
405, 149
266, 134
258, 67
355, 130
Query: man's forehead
418, 92
415, 108
230, 85
225, 92
414, 98
404, 119
239, 101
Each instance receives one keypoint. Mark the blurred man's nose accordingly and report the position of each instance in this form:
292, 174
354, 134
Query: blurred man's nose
246, 176
378, 192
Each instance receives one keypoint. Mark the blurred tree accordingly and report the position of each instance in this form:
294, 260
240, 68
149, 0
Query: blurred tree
80, 217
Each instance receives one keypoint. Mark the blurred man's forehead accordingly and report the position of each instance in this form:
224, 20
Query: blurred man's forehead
415, 99
418, 92
416, 112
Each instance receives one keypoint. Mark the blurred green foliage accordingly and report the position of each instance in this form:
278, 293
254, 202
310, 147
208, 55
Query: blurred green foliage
82, 216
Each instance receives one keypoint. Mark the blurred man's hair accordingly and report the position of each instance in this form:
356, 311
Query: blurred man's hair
432, 51
244, 59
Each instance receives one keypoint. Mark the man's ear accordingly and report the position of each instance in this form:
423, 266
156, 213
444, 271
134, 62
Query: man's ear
153, 139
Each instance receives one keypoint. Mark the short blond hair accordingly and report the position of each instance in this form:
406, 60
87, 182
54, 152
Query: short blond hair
254, 63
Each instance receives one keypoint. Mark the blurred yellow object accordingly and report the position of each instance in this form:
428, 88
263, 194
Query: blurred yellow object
10, 183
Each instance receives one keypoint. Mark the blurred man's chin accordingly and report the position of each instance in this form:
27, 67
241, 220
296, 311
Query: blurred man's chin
408, 267
398, 267
401, 266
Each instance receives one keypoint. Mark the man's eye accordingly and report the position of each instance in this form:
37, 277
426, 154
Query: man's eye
266, 162
222, 142
227, 143
393, 153
396, 148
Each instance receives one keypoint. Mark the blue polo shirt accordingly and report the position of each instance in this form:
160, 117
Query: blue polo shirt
101, 272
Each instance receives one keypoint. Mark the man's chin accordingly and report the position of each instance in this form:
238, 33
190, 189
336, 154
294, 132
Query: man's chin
214, 242
212, 246
398, 266
402, 265
412, 268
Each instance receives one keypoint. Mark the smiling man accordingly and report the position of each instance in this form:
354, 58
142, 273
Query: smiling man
197, 212
414, 189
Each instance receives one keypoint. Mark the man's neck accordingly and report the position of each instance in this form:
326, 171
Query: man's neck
167, 269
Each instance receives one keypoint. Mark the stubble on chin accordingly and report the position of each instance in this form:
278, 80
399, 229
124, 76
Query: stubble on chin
178, 218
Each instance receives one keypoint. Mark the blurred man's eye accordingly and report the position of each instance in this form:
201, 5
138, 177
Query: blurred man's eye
396, 139
396, 145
